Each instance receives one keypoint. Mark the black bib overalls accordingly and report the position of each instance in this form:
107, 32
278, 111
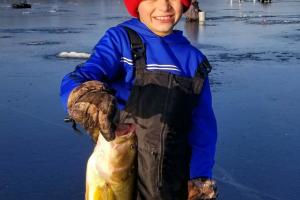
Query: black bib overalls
161, 106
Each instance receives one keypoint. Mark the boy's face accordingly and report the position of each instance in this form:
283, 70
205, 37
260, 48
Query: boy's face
160, 16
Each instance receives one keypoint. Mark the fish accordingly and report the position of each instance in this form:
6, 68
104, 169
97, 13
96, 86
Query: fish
111, 168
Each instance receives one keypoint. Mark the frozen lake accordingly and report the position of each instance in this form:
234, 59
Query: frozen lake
255, 53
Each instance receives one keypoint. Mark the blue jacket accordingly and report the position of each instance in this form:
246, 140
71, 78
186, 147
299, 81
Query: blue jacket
111, 62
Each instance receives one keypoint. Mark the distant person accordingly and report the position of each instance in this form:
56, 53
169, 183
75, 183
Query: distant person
192, 14
144, 72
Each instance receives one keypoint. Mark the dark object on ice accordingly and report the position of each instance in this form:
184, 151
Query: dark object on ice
265, 1
21, 5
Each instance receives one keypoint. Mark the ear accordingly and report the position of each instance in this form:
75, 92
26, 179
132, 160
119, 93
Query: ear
138, 13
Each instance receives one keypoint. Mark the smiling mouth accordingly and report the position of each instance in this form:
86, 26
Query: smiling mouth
167, 18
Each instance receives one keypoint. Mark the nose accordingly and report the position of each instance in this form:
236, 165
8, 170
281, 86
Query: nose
164, 5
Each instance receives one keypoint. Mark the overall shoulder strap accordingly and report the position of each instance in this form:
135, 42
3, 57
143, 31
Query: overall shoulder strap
202, 72
203, 69
138, 51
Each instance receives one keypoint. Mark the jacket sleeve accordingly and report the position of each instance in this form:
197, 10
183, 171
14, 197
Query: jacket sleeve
203, 135
103, 65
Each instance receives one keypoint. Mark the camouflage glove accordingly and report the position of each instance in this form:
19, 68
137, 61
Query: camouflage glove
93, 106
202, 189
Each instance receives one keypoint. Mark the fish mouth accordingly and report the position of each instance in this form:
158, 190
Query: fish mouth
124, 129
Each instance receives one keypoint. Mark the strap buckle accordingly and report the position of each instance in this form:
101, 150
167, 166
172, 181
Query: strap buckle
204, 68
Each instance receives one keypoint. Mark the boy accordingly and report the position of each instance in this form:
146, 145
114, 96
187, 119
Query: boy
144, 72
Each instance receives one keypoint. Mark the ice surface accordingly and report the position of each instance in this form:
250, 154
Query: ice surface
253, 48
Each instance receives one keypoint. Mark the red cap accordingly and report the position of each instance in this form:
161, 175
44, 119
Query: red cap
132, 6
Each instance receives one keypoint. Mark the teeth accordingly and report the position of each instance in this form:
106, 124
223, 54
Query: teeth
163, 18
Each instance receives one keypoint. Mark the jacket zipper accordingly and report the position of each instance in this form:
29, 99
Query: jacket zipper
162, 142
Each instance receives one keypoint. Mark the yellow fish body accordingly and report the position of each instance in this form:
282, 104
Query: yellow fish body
110, 173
